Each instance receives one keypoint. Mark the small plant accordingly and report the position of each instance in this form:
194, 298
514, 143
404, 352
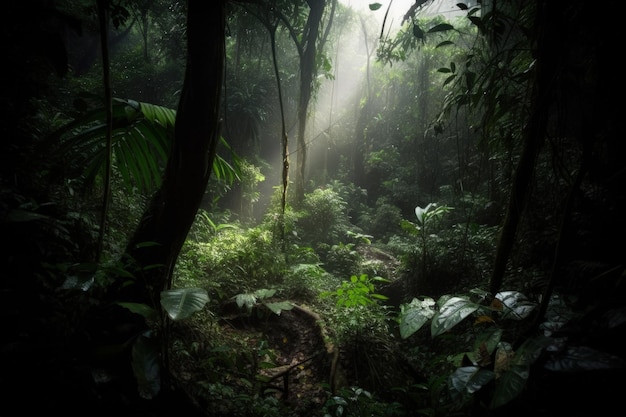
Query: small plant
323, 218
358, 402
341, 259
424, 229
249, 300
360, 238
357, 311
358, 291
304, 281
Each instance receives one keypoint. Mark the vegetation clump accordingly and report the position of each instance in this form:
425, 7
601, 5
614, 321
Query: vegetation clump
199, 219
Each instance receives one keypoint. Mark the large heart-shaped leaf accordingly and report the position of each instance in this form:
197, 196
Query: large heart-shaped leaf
420, 213
182, 303
278, 307
452, 312
469, 379
516, 305
414, 315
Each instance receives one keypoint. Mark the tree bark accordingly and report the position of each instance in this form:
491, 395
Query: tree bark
167, 221
308, 69
549, 24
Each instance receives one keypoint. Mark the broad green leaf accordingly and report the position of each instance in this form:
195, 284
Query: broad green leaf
141, 139
442, 27
182, 303
470, 79
449, 79
420, 213
264, 293
266, 365
122, 165
418, 32
145, 364
531, 350
490, 337
516, 305
451, 313
162, 115
509, 385
375, 6
469, 379
414, 315
379, 296
245, 299
444, 43
139, 308
278, 307
146, 244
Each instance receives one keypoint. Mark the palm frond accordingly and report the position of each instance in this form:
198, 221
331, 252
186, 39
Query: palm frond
142, 137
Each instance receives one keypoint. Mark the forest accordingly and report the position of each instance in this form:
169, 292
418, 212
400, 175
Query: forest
317, 208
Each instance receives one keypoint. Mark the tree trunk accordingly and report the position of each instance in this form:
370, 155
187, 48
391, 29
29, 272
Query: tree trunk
549, 23
308, 69
167, 221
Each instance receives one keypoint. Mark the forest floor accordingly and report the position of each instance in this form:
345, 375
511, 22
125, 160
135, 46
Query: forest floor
290, 356
259, 353
297, 356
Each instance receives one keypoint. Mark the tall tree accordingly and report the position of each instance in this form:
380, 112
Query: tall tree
549, 23
172, 210
308, 70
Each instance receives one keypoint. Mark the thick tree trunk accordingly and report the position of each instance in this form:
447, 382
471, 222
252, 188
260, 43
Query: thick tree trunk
172, 211
549, 23
308, 69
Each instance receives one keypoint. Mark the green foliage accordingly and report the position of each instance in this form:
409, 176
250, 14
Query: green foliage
492, 360
205, 227
358, 291
304, 281
323, 218
414, 315
431, 213
141, 142
249, 300
341, 259
231, 381
233, 261
51, 240
382, 220
358, 402
250, 177
354, 196
182, 303
356, 310
142, 135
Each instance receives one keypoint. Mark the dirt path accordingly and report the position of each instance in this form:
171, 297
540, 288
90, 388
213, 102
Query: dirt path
299, 354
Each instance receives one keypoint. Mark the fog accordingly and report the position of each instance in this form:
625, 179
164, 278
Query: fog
335, 109
397, 9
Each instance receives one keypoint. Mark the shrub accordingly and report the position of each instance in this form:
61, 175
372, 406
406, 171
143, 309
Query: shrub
234, 261
323, 218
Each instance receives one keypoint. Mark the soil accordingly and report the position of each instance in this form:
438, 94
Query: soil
302, 356
297, 364
295, 360
306, 368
